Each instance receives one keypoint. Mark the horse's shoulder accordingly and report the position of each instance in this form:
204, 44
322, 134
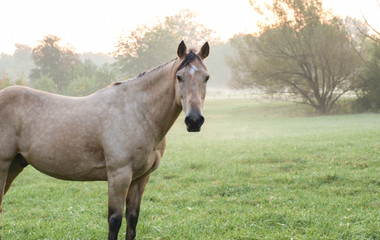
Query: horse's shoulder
11, 90
16, 91
9, 101
10, 95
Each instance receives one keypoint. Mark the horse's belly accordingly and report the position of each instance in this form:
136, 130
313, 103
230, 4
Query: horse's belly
80, 167
77, 173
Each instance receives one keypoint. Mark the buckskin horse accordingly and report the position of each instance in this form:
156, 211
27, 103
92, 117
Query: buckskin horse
116, 134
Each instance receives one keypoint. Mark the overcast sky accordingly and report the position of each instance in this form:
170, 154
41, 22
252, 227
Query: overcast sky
95, 26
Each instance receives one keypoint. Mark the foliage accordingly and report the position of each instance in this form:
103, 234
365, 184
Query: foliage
60, 70
184, 26
18, 65
306, 53
147, 47
4, 82
256, 171
45, 83
89, 78
368, 88
217, 66
23, 62
54, 61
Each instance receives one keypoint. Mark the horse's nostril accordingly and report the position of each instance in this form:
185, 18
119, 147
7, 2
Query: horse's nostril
194, 121
201, 120
187, 120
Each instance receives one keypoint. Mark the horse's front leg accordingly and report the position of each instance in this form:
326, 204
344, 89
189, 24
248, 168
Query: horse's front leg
133, 202
119, 181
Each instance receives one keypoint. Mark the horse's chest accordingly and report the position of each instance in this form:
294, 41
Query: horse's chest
146, 165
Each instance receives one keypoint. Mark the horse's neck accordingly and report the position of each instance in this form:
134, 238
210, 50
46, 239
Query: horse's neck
157, 96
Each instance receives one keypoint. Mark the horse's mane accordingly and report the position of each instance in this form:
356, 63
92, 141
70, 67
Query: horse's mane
154, 69
191, 56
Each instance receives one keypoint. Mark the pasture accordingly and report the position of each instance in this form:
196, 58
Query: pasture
255, 171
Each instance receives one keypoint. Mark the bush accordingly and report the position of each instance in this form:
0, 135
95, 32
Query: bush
343, 106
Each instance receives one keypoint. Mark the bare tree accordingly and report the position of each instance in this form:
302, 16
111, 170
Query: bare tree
376, 34
305, 53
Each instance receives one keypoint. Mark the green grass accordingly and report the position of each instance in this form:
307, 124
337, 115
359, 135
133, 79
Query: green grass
256, 171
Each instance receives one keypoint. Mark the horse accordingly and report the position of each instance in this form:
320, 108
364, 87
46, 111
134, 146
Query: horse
116, 134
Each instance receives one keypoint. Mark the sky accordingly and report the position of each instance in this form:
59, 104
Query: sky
95, 25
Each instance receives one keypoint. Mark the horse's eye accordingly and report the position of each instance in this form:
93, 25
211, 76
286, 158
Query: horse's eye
207, 78
179, 78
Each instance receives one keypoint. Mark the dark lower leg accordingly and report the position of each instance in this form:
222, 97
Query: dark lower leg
132, 216
133, 202
114, 223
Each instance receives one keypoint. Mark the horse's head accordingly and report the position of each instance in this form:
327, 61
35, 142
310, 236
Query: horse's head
192, 76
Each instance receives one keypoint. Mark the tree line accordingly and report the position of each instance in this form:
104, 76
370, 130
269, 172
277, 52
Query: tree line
54, 68
302, 52
59, 69
309, 55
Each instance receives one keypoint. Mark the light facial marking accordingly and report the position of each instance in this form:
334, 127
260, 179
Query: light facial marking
193, 70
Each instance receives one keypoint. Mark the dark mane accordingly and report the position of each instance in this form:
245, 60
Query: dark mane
143, 73
154, 69
191, 56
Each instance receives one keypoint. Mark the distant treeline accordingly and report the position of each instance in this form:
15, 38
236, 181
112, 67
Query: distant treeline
52, 68
59, 69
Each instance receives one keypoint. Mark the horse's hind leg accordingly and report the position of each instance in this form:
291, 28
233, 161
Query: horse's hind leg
4, 166
9, 170
17, 165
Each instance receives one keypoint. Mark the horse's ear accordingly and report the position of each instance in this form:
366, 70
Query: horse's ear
205, 50
182, 49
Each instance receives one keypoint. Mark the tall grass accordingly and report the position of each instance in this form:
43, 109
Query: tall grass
256, 171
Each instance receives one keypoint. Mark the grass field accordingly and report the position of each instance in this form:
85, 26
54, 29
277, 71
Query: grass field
256, 171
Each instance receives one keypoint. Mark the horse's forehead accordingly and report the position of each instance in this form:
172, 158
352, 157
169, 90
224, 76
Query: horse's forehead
196, 66
193, 69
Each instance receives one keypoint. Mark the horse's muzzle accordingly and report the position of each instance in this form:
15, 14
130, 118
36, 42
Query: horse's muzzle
194, 121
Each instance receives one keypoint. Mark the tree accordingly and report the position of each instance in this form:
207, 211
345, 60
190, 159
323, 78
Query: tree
143, 49
18, 65
4, 81
217, 66
54, 61
6, 69
184, 27
23, 62
368, 86
305, 52
375, 37
147, 47
89, 78
45, 83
